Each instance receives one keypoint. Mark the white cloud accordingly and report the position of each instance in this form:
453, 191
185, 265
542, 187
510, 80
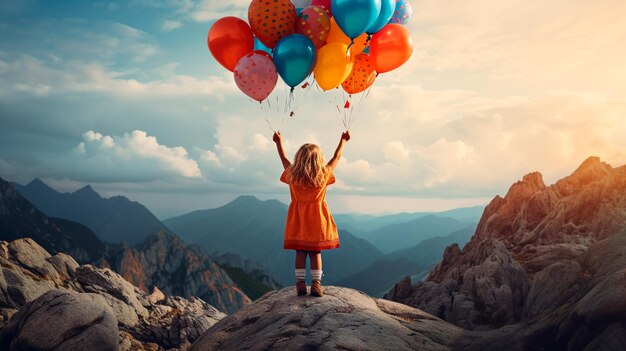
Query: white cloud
136, 156
169, 25
209, 10
30, 75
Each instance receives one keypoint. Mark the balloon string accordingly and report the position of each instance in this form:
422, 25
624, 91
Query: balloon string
269, 125
349, 46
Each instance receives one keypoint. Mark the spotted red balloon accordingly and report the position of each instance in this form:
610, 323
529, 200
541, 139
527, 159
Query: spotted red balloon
271, 20
362, 76
325, 3
256, 75
314, 23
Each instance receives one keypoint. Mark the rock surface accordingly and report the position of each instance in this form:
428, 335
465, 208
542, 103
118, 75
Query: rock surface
62, 320
145, 321
343, 319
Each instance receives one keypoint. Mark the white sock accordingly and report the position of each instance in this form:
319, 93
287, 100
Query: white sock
316, 274
300, 273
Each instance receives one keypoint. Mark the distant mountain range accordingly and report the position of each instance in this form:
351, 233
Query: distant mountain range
20, 219
415, 262
360, 223
400, 236
254, 229
114, 220
159, 259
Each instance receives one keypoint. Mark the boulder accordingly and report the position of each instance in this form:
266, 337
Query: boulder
342, 319
61, 320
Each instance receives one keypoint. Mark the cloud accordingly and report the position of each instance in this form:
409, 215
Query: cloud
209, 10
27, 74
133, 156
169, 25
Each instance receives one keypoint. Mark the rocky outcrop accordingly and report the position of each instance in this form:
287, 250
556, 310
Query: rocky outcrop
346, 319
144, 321
62, 320
165, 261
343, 319
536, 253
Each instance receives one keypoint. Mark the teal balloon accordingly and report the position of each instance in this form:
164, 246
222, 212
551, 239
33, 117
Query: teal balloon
258, 45
387, 9
294, 57
354, 17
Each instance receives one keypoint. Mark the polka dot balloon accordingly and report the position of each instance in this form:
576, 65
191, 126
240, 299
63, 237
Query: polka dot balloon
403, 12
314, 23
271, 20
256, 75
362, 75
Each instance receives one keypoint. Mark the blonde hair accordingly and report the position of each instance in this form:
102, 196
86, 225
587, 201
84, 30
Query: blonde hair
309, 167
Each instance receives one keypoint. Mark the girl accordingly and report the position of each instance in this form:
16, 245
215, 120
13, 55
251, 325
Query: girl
310, 227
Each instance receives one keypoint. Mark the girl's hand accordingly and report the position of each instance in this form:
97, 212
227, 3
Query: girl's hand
277, 137
345, 135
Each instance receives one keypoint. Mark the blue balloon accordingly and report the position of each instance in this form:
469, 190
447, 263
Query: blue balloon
258, 45
294, 57
403, 12
387, 9
354, 17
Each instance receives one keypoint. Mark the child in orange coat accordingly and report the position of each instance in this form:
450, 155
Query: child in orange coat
310, 227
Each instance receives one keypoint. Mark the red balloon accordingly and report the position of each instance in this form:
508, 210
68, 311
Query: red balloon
256, 75
229, 39
272, 20
362, 75
314, 22
325, 3
391, 47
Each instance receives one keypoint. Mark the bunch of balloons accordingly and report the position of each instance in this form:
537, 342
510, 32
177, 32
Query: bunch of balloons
342, 42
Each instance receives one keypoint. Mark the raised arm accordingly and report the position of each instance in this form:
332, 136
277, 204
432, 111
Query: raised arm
345, 136
278, 139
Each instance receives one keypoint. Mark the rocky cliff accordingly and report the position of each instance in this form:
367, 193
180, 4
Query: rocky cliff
63, 305
164, 260
538, 257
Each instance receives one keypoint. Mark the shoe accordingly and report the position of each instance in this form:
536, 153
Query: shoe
301, 287
316, 288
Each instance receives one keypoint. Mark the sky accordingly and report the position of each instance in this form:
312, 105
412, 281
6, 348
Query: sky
125, 96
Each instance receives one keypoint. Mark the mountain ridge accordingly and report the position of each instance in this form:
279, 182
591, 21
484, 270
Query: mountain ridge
536, 238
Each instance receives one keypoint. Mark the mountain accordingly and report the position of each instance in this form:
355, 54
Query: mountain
160, 259
547, 257
416, 261
20, 219
359, 223
53, 303
399, 236
164, 260
114, 220
254, 230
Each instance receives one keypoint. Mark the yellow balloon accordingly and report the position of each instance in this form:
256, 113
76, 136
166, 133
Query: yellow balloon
336, 35
333, 65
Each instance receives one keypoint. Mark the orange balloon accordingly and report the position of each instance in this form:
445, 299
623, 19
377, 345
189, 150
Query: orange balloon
337, 36
229, 39
333, 65
391, 47
362, 76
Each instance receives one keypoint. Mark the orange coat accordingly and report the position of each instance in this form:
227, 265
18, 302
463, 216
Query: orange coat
310, 226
